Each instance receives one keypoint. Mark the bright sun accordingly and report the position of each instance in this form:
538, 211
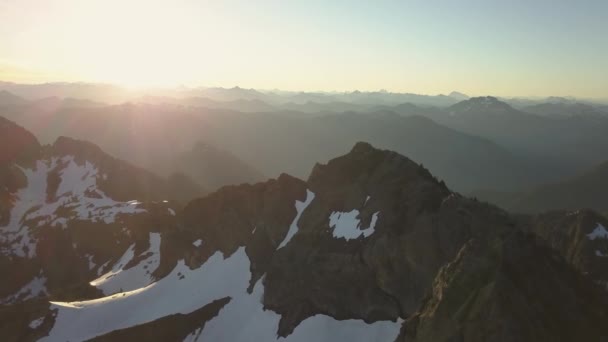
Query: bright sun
133, 43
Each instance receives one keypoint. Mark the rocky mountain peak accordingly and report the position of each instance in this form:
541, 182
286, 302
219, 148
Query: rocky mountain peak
367, 164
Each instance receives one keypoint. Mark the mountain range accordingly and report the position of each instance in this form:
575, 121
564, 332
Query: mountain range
371, 246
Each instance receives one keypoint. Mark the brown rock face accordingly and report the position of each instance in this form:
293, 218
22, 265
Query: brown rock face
255, 216
572, 234
420, 226
510, 288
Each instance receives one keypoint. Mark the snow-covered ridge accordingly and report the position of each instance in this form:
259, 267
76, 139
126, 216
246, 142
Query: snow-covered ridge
185, 290
77, 191
120, 280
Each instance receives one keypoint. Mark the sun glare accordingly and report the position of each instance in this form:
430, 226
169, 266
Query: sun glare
142, 44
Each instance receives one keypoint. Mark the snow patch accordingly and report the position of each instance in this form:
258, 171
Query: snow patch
347, 225
197, 243
599, 232
171, 211
300, 207
36, 323
90, 260
600, 254
193, 337
140, 275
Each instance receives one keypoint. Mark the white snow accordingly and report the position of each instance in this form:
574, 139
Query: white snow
91, 263
184, 291
347, 225
192, 337
34, 288
77, 191
36, 323
171, 211
366, 199
197, 243
102, 267
140, 275
600, 254
300, 207
599, 232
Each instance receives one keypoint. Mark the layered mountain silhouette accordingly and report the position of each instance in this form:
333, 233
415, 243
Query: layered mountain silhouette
371, 246
586, 190
155, 136
213, 167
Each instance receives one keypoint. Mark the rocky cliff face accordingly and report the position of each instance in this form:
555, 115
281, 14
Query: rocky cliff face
581, 236
370, 247
510, 288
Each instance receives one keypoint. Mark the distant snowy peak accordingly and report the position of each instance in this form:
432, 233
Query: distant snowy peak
480, 105
458, 96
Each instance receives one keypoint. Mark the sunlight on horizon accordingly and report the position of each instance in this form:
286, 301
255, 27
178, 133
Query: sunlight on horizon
475, 48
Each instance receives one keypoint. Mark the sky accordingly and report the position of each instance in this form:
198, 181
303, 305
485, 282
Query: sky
478, 47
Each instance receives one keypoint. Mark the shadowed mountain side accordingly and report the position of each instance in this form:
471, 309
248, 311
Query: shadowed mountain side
587, 190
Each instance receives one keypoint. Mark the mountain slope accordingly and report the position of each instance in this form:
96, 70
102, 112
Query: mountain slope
498, 291
585, 191
565, 109
154, 136
565, 145
213, 167
348, 254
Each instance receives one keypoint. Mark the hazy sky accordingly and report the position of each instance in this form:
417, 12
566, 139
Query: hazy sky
507, 48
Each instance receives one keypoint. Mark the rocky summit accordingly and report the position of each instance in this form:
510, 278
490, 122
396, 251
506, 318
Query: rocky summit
371, 247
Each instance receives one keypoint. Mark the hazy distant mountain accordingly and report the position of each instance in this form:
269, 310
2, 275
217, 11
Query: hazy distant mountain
240, 105
459, 96
153, 136
571, 143
586, 190
9, 99
213, 167
530, 149
565, 109
114, 95
324, 108
90, 91
486, 105
464, 161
